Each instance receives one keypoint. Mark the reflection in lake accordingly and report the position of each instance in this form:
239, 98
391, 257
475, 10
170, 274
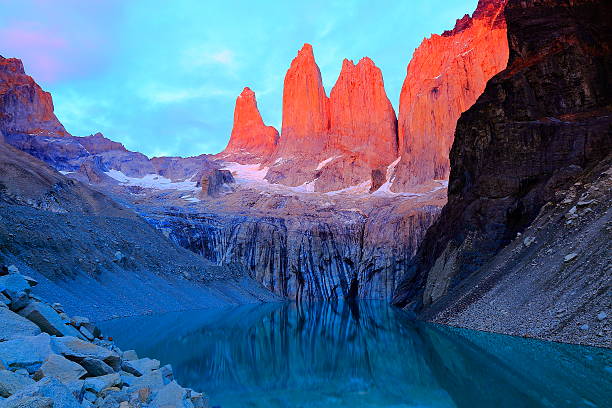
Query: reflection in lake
361, 355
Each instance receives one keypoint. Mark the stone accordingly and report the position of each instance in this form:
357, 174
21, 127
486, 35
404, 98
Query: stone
29, 402
601, 316
31, 281
75, 348
13, 326
26, 352
140, 366
97, 384
528, 241
199, 400
10, 383
167, 373
129, 355
96, 367
171, 395
570, 257
446, 75
118, 257
585, 327
151, 379
4, 301
14, 283
59, 367
250, 135
49, 321
13, 269
18, 300
50, 388
86, 333
78, 321
58, 307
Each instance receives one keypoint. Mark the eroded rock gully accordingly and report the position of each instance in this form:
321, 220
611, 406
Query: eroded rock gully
312, 255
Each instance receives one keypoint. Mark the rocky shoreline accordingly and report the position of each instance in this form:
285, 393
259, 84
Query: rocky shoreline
49, 359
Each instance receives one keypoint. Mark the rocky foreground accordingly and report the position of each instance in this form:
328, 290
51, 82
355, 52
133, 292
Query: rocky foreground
49, 359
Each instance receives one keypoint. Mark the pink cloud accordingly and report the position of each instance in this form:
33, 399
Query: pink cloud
40, 49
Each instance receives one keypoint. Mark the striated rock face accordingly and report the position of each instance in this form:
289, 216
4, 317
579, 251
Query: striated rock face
308, 252
251, 139
305, 108
215, 183
540, 123
24, 106
446, 75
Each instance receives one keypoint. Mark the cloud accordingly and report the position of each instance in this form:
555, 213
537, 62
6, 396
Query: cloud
200, 56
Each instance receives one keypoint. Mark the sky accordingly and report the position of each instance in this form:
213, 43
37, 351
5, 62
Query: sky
162, 76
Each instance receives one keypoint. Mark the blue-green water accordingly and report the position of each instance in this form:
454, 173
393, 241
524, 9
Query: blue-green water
363, 355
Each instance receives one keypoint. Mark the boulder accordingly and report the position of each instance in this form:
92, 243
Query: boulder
4, 301
140, 366
10, 383
97, 384
129, 355
96, 367
49, 321
26, 352
77, 349
167, 373
86, 333
31, 281
61, 368
78, 321
12, 269
12, 326
171, 395
18, 300
14, 283
151, 379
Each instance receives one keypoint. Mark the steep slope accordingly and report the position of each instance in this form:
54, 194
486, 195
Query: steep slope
251, 140
24, 106
541, 124
446, 75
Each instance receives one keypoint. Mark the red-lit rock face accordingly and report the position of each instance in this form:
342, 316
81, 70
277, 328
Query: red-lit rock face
362, 119
25, 107
305, 107
250, 136
446, 75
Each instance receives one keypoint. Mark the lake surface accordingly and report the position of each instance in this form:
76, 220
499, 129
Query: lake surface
361, 355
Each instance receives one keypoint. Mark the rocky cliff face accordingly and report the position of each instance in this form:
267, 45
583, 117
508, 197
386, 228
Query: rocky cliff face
299, 250
540, 124
446, 75
251, 140
336, 142
24, 106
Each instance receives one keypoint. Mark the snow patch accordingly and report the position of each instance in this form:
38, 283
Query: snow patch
359, 189
386, 187
247, 173
326, 161
154, 181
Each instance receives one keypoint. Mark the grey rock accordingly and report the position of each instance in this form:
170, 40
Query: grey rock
10, 383
97, 384
199, 400
4, 301
140, 366
171, 395
60, 368
118, 256
92, 328
18, 300
31, 281
45, 317
585, 327
26, 352
528, 241
50, 388
13, 269
14, 283
28, 402
13, 325
58, 307
78, 349
570, 257
96, 367
601, 316
129, 355
167, 373
86, 333
152, 380
78, 321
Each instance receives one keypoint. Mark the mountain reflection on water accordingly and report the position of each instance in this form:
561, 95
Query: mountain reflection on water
365, 354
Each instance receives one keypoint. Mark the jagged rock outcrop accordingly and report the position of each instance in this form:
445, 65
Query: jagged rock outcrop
251, 140
24, 107
336, 142
217, 182
446, 75
540, 124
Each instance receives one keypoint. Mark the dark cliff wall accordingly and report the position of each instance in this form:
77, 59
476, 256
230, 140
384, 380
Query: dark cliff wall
540, 123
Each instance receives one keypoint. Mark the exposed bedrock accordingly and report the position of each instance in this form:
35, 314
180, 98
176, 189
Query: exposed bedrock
306, 256
540, 127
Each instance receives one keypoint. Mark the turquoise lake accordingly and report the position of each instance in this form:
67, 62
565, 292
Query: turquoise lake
365, 354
